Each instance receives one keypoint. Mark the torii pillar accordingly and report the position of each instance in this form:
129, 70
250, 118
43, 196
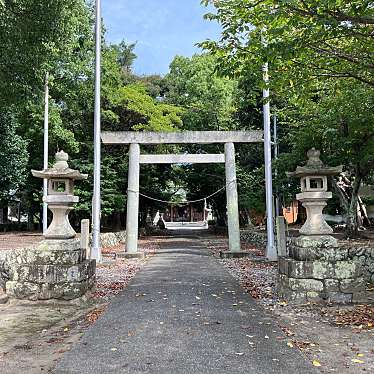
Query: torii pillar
133, 202
232, 201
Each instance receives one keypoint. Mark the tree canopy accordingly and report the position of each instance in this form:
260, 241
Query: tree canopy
321, 77
321, 81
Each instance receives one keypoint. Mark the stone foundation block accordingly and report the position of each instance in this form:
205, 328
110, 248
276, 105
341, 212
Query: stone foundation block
318, 269
305, 284
315, 241
320, 254
331, 285
296, 297
54, 273
26, 290
47, 291
347, 269
306, 269
352, 285
322, 270
363, 297
65, 291
339, 297
325, 272
40, 256
52, 269
301, 285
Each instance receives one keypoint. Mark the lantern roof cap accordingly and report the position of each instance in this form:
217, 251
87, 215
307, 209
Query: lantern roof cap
314, 166
60, 169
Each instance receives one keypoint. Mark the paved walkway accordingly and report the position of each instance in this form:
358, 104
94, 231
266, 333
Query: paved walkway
184, 313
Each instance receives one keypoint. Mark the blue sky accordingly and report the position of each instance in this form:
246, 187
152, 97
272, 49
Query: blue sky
161, 28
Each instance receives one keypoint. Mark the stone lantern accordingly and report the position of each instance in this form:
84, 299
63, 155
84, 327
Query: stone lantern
57, 267
316, 267
60, 197
314, 194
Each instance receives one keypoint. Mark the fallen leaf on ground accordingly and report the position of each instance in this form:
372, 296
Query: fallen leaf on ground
357, 361
93, 316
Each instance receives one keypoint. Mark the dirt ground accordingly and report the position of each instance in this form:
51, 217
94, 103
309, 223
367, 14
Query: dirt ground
13, 240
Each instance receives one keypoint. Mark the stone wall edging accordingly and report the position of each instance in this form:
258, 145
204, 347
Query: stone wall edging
362, 254
8, 258
111, 239
254, 237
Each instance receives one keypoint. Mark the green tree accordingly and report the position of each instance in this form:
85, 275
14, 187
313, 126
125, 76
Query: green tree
300, 39
319, 53
126, 55
341, 124
13, 159
35, 37
207, 97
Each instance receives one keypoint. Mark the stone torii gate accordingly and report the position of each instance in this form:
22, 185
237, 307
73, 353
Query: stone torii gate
228, 138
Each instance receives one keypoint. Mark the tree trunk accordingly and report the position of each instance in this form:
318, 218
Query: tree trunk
30, 220
364, 214
221, 215
116, 221
246, 218
348, 196
352, 226
4, 214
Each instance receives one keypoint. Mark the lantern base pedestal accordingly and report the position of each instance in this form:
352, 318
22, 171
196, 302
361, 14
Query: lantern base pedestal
314, 203
60, 206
